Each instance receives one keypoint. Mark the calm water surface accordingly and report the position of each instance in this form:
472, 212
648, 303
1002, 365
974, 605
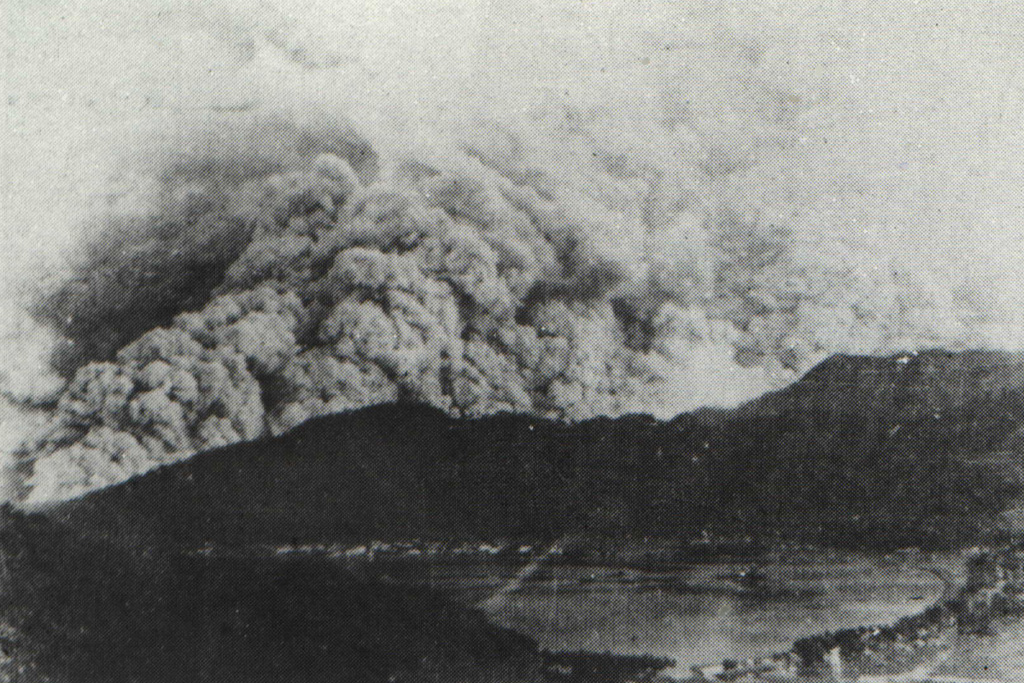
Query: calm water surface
694, 613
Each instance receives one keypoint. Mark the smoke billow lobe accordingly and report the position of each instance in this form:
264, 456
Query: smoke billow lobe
298, 289
135, 272
593, 257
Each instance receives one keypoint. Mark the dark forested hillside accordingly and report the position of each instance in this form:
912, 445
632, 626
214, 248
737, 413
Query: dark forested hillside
74, 610
982, 384
819, 462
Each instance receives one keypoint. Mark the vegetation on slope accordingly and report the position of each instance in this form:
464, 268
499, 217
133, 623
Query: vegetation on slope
74, 610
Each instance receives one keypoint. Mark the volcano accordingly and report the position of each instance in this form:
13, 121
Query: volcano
862, 453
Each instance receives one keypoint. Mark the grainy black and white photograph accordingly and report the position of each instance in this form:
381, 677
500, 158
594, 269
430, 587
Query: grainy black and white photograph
512, 341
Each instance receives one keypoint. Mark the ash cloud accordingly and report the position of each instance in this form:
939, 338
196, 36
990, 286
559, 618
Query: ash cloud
133, 272
675, 220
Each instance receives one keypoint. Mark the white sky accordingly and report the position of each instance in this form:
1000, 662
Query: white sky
931, 112
940, 85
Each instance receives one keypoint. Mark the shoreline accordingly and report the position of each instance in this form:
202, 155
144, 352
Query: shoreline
648, 553
929, 646
992, 595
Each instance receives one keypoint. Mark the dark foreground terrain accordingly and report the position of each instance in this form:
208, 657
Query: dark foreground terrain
84, 611
75, 610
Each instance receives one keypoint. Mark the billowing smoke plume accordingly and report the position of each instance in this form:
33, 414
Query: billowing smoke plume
483, 289
678, 235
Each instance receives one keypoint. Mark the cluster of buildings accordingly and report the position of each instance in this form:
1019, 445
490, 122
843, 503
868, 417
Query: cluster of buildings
397, 550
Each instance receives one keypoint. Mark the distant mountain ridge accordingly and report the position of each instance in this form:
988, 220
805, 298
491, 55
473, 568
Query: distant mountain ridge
908, 384
860, 453
975, 398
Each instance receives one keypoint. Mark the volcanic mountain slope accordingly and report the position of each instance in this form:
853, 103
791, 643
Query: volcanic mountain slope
905, 387
966, 404
867, 462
